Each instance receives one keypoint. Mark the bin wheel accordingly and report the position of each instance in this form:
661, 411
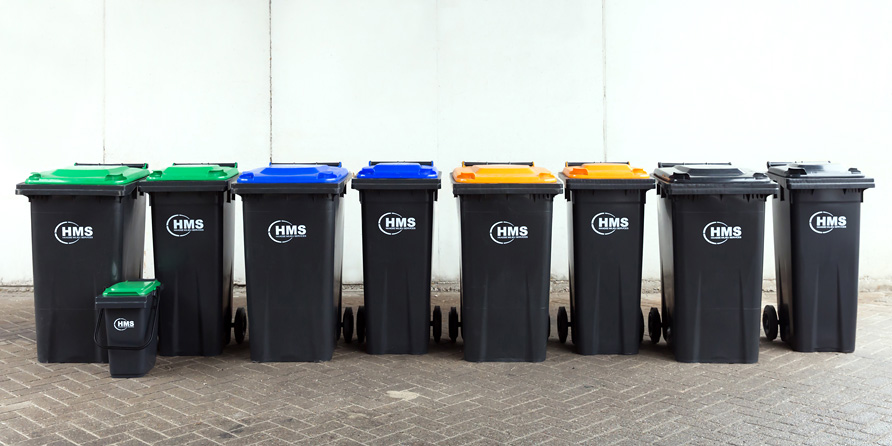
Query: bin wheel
641, 326
437, 324
784, 323
547, 325
769, 322
654, 327
240, 326
348, 325
360, 324
563, 324
453, 324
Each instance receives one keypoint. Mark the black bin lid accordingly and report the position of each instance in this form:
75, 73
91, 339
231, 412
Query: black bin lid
818, 175
711, 179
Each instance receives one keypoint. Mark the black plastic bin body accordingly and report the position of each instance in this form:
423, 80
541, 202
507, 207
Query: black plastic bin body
193, 236
712, 228
397, 237
103, 245
131, 324
505, 263
293, 223
606, 233
817, 224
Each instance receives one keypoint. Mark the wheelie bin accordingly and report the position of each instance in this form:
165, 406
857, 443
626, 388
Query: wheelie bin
293, 255
397, 236
192, 230
505, 214
817, 225
606, 215
87, 233
128, 312
712, 228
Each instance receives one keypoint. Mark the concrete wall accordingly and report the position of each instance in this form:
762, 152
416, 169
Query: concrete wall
350, 80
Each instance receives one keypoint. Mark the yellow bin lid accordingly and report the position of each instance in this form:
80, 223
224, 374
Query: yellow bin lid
604, 171
502, 173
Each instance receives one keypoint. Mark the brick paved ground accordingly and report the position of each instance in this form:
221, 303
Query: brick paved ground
788, 398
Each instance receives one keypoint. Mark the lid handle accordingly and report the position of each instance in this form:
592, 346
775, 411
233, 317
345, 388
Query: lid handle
662, 164
580, 163
314, 163
423, 163
207, 164
484, 163
132, 165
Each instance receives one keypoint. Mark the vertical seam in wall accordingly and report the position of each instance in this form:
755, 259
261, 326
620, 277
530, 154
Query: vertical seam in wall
270, 29
604, 76
104, 86
437, 117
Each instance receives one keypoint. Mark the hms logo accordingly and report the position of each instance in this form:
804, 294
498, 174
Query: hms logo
283, 231
718, 232
606, 223
392, 223
179, 225
505, 232
69, 232
823, 222
122, 324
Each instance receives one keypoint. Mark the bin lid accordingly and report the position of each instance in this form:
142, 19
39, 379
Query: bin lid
605, 175
195, 172
398, 175
504, 178
711, 178
294, 178
85, 179
132, 288
818, 175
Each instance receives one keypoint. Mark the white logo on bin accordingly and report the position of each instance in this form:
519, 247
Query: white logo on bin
504, 232
122, 324
283, 231
606, 223
179, 225
718, 232
392, 223
823, 222
69, 232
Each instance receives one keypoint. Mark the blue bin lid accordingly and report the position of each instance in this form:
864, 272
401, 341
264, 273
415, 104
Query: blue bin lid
399, 170
295, 174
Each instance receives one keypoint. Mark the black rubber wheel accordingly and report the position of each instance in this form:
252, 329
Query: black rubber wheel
654, 327
240, 326
348, 325
360, 324
784, 324
547, 325
563, 324
453, 324
641, 326
437, 324
769, 322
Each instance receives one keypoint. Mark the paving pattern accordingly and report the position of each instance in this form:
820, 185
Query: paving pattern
787, 398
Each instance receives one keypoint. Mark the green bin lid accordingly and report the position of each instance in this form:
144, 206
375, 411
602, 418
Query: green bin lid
131, 288
90, 175
195, 172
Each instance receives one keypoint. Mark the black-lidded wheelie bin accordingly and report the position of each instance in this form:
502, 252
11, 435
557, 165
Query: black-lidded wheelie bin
128, 313
397, 237
87, 233
193, 235
293, 255
712, 240
817, 225
505, 212
606, 215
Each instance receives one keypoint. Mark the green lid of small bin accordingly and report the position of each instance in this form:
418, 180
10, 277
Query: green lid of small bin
195, 172
90, 175
132, 288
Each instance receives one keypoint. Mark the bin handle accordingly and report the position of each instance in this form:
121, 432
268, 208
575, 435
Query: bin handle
314, 163
148, 342
133, 165
423, 163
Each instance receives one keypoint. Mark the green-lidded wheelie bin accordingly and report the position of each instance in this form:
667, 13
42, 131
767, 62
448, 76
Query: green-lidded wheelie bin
128, 313
505, 214
712, 237
606, 215
87, 233
193, 232
817, 225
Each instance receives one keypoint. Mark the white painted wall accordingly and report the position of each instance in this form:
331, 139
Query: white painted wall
447, 80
